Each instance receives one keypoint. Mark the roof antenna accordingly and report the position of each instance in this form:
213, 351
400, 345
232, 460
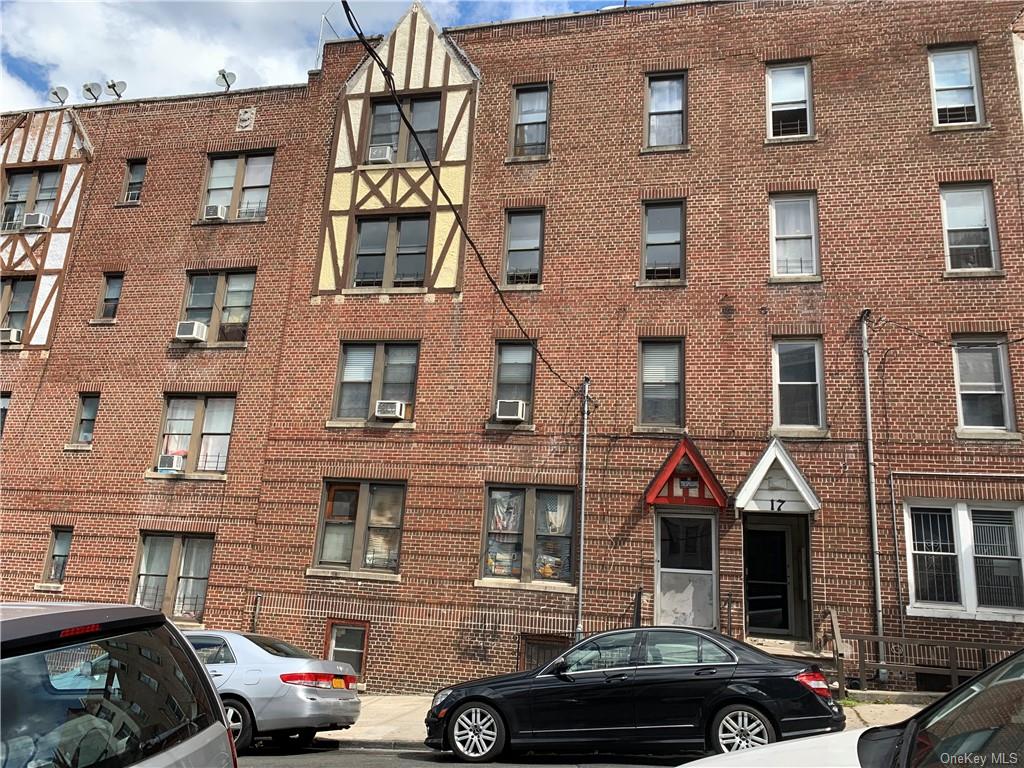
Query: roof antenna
116, 88
58, 95
92, 91
225, 79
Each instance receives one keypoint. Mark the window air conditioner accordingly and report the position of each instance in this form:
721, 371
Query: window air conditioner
215, 213
510, 410
36, 221
390, 409
10, 335
170, 463
381, 153
190, 330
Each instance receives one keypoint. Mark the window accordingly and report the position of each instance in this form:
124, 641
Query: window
664, 235
134, 175
86, 421
110, 297
530, 126
348, 644
28, 192
387, 128
982, 376
968, 219
372, 372
57, 557
198, 429
524, 246
661, 382
529, 534
361, 526
15, 300
800, 390
173, 574
966, 557
391, 253
666, 110
956, 97
241, 184
538, 650
223, 301
5, 406
514, 379
794, 225
604, 652
789, 100
211, 649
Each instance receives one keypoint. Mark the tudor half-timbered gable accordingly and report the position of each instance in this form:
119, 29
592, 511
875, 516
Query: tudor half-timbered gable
387, 226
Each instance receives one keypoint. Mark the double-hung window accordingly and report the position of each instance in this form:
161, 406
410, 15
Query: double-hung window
15, 302
956, 95
528, 534
661, 382
983, 383
524, 245
388, 129
794, 233
361, 526
199, 430
514, 376
110, 298
664, 240
85, 424
530, 123
666, 110
799, 383
223, 302
173, 574
391, 253
347, 643
28, 192
239, 185
373, 372
5, 406
57, 557
968, 219
134, 175
790, 108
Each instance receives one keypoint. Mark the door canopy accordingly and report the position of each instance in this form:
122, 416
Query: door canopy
776, 484
686, 479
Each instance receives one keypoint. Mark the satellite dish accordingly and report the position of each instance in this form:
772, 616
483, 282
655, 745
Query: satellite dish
92, 91
225, 79
58, 95
116, 87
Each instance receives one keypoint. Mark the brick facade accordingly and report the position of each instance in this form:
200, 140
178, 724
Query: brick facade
875, 165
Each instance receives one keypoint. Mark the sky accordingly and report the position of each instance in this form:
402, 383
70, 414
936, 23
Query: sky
166, 47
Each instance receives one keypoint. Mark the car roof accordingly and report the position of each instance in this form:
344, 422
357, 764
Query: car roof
21, 622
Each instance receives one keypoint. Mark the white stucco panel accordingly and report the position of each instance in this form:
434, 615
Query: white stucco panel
49, 134
47, 285
400, 40
57, 250
31, 137
460, 141
67, 218
420, 63
67, 130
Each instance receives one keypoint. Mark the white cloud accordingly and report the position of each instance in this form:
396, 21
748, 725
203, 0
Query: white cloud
16, 93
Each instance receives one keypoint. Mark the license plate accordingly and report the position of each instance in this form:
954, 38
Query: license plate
338, 682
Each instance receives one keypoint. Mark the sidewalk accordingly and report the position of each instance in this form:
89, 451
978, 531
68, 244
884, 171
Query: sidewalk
396, 722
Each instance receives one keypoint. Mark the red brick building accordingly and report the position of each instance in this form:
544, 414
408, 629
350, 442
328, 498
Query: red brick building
267, 389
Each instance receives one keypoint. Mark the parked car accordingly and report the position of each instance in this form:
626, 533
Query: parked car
272, 689
980, 723
104, 685
654, 688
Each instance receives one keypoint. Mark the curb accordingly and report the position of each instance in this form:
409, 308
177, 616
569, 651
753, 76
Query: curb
391, 744
893, 697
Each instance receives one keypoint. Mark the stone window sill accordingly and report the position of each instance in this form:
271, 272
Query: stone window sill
175, 344
672, 149
216, 477
960, 127
78, 447
772, 140
961, 274
497, 426
11, 347
956, 612
676, 282
522, 287
376, 290
1001, 435
806, 433
102, 321
128, 204
794, 279
527, 159
641, 429
188, 625
340, 573
48, 587
531, 586
368, 424
387, 166
228, 222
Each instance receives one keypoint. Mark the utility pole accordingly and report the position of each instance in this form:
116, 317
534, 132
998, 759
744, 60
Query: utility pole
583, 508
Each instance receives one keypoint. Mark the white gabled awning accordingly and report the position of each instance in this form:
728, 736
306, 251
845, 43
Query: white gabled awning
776, 484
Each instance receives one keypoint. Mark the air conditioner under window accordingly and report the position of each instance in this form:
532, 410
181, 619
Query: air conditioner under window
390, 409
215, 213
381, 153
170, 463
36, 221
10, 335
510, 410
190, 330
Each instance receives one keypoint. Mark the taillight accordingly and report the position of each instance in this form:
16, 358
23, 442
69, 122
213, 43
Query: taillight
350, 680
84, 630
816, 682
309, 679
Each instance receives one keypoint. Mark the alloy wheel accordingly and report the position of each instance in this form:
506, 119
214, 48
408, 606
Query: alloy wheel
475, 732
742, 730
234, 721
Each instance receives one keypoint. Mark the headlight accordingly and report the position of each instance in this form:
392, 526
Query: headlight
440, 696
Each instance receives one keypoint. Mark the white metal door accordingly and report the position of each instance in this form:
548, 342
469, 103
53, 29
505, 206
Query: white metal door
686, 570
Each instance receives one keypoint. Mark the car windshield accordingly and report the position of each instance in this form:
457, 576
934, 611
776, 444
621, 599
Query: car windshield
105, 703
278, 647
982, 724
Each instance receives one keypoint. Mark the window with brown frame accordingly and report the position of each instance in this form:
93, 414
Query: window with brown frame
388, 129
173, 574
15, 302
524, 247
57, 555
530, 121
240, 184
513, 378
391, 252
110, 297
134, 174
528, 534
223, 301
32, 191
198, 428
666, 110
664, 240
346, 643
370, 372
661, 382
361, 526
85, 421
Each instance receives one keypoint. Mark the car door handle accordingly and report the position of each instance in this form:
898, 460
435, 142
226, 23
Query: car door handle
704, 672
615, 678
216, 674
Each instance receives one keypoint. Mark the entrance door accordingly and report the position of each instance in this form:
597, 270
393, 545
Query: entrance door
775, 557
685, 593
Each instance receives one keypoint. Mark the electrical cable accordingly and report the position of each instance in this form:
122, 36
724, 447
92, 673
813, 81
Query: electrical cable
882, 322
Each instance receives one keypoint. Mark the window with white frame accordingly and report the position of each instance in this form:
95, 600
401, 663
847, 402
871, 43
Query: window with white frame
790, 113
982, 379
794, 224
956, 97
799, 383
968, 223
966, 556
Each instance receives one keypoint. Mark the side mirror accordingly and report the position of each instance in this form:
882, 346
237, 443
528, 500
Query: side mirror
562, 669
86, 669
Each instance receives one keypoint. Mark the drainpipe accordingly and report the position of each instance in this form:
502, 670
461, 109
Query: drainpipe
256, 612
883, 674
583, 508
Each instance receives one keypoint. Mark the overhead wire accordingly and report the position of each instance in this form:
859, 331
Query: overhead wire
884, 321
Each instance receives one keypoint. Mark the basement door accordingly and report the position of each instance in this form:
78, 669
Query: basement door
686, 577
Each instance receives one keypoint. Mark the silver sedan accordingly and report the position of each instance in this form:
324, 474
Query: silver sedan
271, 688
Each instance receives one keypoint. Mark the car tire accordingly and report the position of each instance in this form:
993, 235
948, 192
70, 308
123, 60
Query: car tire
740, 726
305, 738
239, 723
476, 732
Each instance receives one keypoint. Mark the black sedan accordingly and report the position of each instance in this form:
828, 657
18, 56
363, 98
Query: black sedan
656, 688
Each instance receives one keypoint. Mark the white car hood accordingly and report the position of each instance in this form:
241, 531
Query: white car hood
836, 750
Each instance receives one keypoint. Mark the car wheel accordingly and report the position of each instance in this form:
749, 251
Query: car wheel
305, 738
476, 732
739, 726
239, 723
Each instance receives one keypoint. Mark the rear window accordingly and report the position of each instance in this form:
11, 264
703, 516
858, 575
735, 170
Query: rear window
101, 704
278, 647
